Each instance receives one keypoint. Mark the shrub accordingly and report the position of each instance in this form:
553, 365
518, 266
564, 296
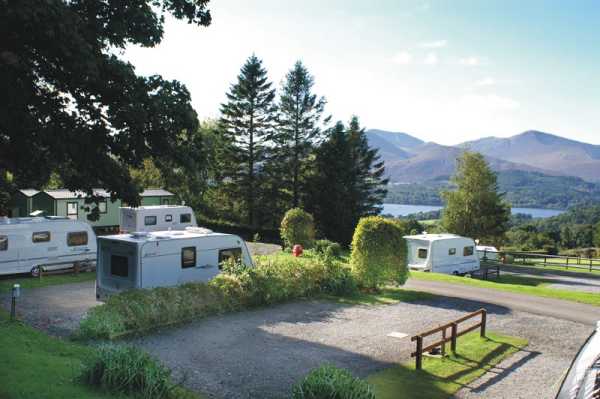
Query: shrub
297, 227
329, 382
238, 287
128, 370
378, 252
328, 248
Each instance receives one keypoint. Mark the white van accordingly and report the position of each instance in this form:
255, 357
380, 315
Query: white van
27, 244
156, 218
163, 258
442, 253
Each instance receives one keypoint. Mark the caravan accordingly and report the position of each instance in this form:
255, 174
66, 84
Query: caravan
442, 253
156, 218
28, 244
163, 258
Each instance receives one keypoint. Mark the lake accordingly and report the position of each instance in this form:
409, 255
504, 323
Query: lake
404, 209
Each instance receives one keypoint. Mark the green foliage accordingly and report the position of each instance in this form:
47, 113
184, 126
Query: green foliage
330, 382
238, 287
475, 209
347, 182
72, 106
597, 235
297, 227
128, 370
328, 248
247, 122
379, 252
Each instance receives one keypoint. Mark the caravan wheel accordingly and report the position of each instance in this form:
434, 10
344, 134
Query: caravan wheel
35, 271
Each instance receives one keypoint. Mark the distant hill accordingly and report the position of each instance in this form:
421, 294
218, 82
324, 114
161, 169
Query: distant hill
544, 151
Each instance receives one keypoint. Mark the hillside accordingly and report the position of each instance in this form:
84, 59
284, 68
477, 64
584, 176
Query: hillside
544, 151
522, 188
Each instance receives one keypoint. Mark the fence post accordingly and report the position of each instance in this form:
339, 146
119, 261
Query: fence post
419, 358
590, 264
454, 333
483, 322
567, 263
444, 342
545, 261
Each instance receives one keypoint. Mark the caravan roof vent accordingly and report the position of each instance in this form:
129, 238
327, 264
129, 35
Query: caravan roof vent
140, 234
198, 230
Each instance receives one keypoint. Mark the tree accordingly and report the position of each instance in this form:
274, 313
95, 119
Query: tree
300, 115
597, 235
346, 183
70, 105
475, 209
247, 122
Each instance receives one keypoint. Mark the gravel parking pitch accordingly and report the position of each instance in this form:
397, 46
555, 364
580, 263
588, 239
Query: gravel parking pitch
261, 353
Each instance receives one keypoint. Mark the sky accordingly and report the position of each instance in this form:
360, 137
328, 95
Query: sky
443, 71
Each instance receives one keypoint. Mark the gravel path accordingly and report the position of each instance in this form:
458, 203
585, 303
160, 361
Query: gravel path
260, 354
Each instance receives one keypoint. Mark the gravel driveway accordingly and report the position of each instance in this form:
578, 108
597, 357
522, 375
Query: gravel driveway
261, 353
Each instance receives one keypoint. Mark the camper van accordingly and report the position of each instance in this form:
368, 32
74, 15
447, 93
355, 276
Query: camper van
488, 252
442, 253
163, 258
156, 218
28, 244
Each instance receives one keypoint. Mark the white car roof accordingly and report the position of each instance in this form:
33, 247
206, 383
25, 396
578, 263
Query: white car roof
143, 236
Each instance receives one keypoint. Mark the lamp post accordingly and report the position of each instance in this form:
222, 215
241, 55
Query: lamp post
16, 293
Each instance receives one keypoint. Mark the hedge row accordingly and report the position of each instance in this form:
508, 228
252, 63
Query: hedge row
273, 281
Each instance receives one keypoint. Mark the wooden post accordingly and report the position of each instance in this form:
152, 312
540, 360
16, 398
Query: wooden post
483, 322
76, 268
444, 342
419, 358
454, 333
590, 264
567, 262
545, 258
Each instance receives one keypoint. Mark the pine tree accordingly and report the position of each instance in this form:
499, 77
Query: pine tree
246, 124
475, 209
346, 182
299, 128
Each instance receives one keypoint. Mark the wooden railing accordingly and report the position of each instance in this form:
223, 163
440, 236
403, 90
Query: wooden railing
574, 262
454, 334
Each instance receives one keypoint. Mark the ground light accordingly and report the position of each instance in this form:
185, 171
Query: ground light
16, 293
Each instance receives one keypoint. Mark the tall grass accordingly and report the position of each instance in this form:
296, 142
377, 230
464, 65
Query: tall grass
329, 382
237, 288
128, 370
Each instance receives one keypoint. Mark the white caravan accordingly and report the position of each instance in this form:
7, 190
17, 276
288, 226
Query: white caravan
26, 244
156, 218
488, 252
163, 258
442, 253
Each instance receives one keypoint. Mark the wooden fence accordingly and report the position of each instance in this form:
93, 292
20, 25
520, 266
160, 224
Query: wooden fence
574, 262
454, 334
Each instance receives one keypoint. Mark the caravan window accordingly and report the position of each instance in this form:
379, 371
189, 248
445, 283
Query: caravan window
452, 251
468, 251
77, 238
185, 218
188, 257
230, 253
72, 210
168, 218
119, 266
102, 206
422, 253
150, 220
3, 243
40, 236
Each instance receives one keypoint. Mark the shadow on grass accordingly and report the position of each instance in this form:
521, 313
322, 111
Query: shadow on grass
383, 296
440, 378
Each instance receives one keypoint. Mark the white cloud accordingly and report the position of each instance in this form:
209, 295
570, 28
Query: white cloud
473, 61
431, 59
434, 44
403, 58
486, 82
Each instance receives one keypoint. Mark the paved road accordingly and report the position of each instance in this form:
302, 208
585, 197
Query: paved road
560, 279
572, 311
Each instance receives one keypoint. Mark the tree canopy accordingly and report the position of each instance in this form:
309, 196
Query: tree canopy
70, 105
475, 209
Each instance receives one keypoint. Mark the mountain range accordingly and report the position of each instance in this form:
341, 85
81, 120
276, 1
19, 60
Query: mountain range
411, 160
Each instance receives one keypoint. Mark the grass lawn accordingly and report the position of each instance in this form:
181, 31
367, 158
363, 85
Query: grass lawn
554, 266
35, 365
517, 284
385, 296
34, 282
440, 378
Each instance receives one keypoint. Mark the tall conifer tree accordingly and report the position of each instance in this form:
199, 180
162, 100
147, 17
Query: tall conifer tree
247, 121
346, 183
299, 128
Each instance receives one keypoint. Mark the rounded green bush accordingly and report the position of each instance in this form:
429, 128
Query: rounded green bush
297, 227
330, 382
379, 252
328, 248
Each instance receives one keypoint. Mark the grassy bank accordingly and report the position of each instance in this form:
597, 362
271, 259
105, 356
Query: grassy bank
517, 284
56, 279
441, 378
